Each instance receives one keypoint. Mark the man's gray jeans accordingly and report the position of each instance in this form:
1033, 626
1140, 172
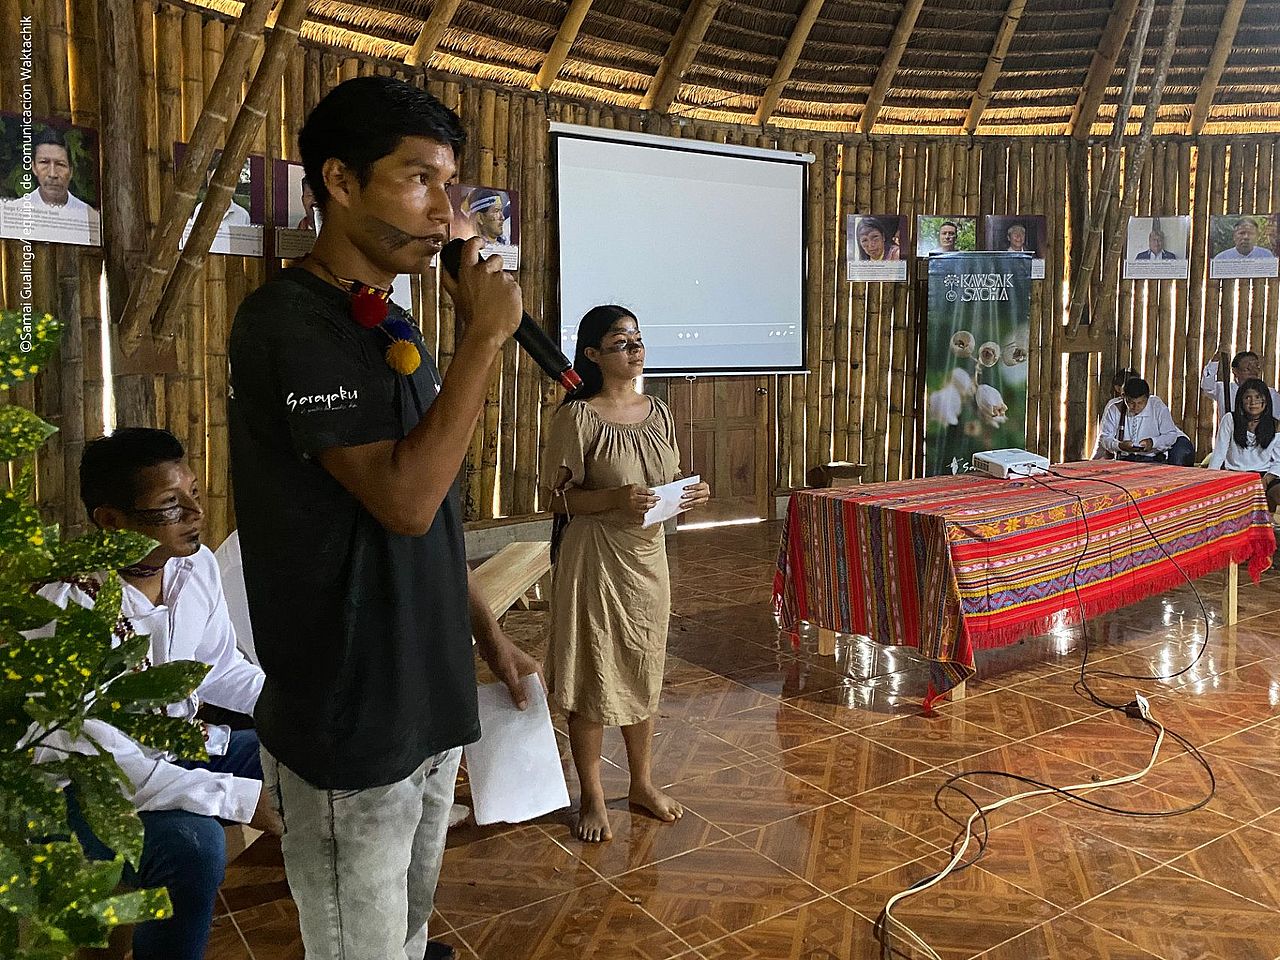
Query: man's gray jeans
362, 865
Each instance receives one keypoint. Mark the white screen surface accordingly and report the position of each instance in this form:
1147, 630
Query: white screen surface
706, 249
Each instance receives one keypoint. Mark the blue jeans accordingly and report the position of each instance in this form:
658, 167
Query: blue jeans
184, 852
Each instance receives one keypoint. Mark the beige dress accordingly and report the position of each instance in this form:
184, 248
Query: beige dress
610, 595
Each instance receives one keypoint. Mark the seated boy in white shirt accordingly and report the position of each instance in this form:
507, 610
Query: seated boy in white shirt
138, 479
1139, 427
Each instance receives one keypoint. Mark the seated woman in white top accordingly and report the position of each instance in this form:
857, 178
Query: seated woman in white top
1248, 439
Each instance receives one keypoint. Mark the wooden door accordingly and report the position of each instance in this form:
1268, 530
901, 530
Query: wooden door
722, 424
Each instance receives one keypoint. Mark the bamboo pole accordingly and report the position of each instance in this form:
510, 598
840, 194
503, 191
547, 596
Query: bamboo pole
313, 79
830, 218
1195, 340
800, 384
1056, 325
1230, 301
1261, 201
855, 302
146, 25
917, 306
1111, 172
168, 95
1271, 345
877, 373
889, 65
1217, 63
266, 83
432, 32
840, 294
1000, 186
82, 57
987, 185
684, 47
57, 288
123, 213
1147, 203
1139, 151
507, 130
1039, 307
1174, 295
193, 332
790, 57
1183, 326
490, 421
164, 251
1101, 68
528, 385
899, 182
995, 63
216, 329
563, 42
547, 292
813, 309
1215, 336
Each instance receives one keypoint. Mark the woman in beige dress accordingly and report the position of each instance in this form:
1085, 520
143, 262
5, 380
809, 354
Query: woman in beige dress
611, 596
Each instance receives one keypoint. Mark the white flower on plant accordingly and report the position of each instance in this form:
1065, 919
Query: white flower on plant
961, 380
962, 343
945, 406
991, 405
989, 354
1014, 354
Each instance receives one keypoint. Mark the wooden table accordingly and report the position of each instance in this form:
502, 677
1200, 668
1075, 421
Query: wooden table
951, 565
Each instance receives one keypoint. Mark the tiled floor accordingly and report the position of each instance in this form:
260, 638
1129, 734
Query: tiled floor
809, 783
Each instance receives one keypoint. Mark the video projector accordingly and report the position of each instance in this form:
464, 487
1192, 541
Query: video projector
1010, 463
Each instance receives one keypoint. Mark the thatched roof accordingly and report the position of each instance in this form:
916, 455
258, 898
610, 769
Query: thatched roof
621, 44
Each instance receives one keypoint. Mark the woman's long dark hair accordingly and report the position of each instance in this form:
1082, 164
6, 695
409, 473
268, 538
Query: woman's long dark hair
591, 331
1266, 431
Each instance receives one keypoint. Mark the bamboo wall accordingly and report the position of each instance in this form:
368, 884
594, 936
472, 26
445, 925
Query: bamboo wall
861, 398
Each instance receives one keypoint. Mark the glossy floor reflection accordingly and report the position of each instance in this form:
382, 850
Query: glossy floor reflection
809, 782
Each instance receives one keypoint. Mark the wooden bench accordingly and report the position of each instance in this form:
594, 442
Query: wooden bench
507, 577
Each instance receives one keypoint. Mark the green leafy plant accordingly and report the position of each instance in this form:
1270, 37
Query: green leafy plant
89, 666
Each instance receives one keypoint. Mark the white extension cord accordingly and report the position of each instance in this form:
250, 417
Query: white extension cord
910, 935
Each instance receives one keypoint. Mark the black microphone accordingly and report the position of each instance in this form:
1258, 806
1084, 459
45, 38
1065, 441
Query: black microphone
529, 335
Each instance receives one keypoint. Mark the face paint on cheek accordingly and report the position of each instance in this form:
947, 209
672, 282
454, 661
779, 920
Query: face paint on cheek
161, 517
389, 235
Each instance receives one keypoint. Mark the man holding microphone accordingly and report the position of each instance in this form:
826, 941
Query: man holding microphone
345, 449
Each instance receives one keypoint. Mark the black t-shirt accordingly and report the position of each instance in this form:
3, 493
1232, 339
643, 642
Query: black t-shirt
364, 634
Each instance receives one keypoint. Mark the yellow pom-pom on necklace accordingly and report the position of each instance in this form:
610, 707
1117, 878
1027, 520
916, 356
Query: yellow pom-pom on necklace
403, 357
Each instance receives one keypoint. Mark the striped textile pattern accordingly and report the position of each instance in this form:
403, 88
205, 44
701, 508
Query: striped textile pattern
950, 565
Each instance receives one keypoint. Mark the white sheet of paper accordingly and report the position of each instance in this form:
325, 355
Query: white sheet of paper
514, 767
668, 500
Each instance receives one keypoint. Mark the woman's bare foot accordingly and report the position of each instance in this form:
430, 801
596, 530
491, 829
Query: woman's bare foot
649, 797
593, 821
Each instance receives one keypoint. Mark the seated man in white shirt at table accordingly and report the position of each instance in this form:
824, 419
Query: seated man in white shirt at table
137, 479
1245, 365
1139, 427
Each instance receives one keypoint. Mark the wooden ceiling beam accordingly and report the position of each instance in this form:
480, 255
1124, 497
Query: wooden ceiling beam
684, 47
429, 37
559, 52
893, 56
995, 63
1101, 68
790, 57
1217, 63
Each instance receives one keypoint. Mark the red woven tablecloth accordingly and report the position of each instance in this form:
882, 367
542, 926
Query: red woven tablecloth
951, 565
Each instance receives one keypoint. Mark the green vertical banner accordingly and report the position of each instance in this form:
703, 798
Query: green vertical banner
975, 356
